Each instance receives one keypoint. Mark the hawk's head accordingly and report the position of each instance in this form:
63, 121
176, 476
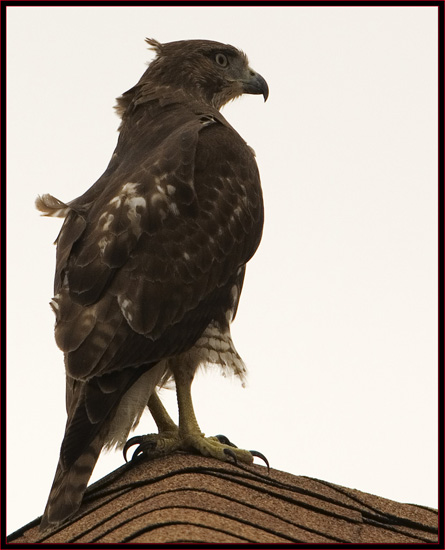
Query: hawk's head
208, 71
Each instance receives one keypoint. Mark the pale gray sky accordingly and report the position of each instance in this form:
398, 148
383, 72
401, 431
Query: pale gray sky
338, 318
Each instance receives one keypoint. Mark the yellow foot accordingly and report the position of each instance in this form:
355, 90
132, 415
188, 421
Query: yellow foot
219, 447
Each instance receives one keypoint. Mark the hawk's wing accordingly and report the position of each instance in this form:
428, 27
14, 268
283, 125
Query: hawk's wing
150, 254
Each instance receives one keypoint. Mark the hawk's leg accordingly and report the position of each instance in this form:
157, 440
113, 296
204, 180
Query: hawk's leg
162, 443
190, 433
187, 436
163, 420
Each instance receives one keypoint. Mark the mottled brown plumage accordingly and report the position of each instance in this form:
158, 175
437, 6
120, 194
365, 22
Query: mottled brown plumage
151, 260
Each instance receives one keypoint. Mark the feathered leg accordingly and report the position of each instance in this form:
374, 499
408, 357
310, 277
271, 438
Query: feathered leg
190, 432
187, 436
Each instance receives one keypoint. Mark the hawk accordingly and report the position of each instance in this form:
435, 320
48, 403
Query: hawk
150, 263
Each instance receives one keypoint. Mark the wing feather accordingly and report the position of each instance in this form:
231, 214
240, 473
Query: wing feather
148, 258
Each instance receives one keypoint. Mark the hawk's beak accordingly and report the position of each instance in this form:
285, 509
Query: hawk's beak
256, 84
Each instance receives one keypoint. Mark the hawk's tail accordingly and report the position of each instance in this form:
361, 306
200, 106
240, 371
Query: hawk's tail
69, 485
100, 412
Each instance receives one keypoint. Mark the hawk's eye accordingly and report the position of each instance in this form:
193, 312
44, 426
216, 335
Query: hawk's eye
221, 59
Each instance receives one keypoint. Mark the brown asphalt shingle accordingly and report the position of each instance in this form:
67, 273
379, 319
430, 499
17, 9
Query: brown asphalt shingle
186, 498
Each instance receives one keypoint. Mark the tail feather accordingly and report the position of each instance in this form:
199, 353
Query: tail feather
101, 412
69, 485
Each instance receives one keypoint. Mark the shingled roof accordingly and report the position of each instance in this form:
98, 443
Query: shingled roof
192, 499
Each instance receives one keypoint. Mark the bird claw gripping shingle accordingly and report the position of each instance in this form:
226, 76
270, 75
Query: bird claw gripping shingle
219, 447
142, 447
226, 441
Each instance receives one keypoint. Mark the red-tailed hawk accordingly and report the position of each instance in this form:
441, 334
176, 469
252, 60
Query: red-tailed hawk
151, 261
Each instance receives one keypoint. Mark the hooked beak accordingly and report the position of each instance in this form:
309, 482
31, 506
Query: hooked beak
256, 84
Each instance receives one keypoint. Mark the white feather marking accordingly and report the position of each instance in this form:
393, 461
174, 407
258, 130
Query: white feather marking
129, 188
206, 120
173, 207
125, 304
116, 202
55, 304
106, 219
229, 315
103, 242
234, 294
158, 203
133, 203
136, 201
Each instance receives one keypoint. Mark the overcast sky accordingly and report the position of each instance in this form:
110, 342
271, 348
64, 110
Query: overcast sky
338, 318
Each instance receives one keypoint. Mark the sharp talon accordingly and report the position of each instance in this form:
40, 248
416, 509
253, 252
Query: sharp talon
137, 453
225, 440
230, 453
260, 455
130, 443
